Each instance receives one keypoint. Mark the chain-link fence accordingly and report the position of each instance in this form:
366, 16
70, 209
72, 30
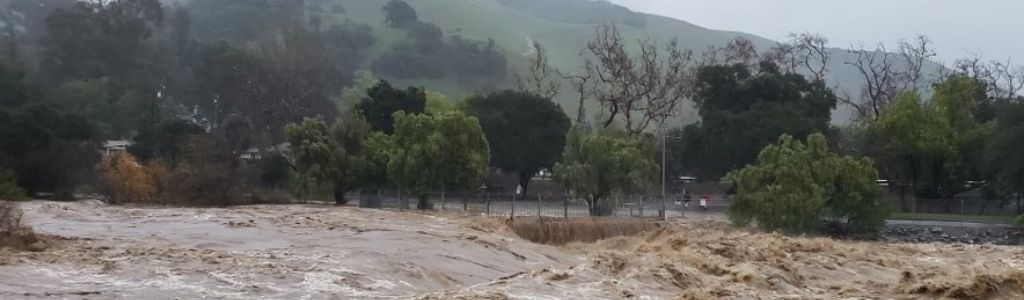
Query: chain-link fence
541, 204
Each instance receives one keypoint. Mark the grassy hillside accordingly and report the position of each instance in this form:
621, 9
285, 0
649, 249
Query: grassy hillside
514, 27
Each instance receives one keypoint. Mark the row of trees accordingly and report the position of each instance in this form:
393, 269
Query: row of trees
927, 148
230, 73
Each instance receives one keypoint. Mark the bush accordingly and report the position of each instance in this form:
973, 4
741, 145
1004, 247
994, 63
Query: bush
274, 171
13, 233
9, 189
795, 186
206, 175
128, 181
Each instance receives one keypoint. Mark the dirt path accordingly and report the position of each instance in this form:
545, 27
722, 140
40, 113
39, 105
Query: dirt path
318, 252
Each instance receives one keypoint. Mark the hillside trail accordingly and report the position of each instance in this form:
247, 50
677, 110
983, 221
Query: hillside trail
320, 251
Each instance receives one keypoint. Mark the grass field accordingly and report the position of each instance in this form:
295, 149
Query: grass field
953, 218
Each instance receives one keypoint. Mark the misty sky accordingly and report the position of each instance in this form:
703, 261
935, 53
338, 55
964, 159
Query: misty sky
992, 28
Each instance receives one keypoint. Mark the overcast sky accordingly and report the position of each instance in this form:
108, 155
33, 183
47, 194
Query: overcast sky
993, 28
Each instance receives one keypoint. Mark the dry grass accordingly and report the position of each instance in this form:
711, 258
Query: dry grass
14, 234
561, 232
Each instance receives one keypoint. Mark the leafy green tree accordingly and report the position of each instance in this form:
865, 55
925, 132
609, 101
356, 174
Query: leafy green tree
161, 142
93, 39
14, 90
427, 153
412, 156
596, 166
476, 63
526, 132
463, 152
383, 101
794, 185
117, 112
742, 111
1004, 154
48, 150
329, 156
9, 189
912, 137
437, 103
957, 98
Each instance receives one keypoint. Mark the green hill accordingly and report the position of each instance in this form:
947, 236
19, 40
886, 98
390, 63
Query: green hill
563, 27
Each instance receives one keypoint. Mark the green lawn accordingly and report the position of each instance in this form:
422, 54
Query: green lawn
954, 218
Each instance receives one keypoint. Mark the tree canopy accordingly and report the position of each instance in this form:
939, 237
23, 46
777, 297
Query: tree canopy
794, 185
526, 132
743, 111
430, 153
598, 165
329, 156
383, 101
1004, 155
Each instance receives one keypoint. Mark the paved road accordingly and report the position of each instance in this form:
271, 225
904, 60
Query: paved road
945, 224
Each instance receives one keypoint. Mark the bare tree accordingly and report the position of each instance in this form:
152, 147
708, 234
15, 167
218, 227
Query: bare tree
1006, 79
540, 78
915, 54
803, 51
641, 90
581, 83
737, 51
886, 73
740, 51
1001, 79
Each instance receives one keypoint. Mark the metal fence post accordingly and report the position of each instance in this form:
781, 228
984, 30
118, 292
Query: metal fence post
513, 206
641, 206
539, 198
487, 198
565, 207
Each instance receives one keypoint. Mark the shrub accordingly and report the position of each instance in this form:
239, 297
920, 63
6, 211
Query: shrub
13, 233
274, 171
794, 186
206, 175
9, 189
128, 181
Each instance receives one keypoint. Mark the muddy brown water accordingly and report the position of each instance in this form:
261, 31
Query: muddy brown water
326, 252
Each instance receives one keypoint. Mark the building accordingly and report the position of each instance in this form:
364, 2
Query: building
115, 146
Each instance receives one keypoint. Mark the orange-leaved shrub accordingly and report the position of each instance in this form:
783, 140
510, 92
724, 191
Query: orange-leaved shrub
126, 180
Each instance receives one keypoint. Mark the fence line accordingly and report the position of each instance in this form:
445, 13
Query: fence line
548, 205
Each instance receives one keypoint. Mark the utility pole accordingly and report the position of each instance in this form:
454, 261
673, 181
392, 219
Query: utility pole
664, 194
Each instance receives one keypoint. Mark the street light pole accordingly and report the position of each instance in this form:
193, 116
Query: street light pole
664, 195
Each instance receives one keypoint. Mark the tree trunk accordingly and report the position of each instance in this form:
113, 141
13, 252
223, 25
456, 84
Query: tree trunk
913, 181
424, 203
904, 205
369, 198
1019, 202
602, 208
984, 205
339, 197
524, 181
442, 198
402, 202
